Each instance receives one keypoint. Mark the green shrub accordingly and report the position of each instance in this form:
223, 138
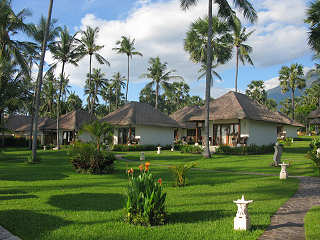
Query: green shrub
245, 150
138, 148
315, 143
86, 158
286, 142
11, 141
146, 199
180, 171
312, 155
191, 149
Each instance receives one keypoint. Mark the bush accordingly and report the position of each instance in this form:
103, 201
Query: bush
180, 171
10, 141
312, 155
138, 148
315, 143
191, 149
245, 150
286, 142
146, 199
86, 158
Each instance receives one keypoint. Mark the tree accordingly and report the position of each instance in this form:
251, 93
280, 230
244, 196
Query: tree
314, 76
176, 96
117, 83
48, 95
313, 19
98, 83
291, 78
39, 84
242, 50
99, 131
126, 46
89, 47
65, 50
74, 102
224, 10
157, 71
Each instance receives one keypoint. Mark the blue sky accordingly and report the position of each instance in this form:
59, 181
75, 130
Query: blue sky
159, 29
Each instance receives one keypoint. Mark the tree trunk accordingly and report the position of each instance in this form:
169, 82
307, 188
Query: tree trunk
117, 96
292, 103
127, 80
206, 153
94, 99
39, 80
89, 103
2, 128
58, 104
157, 94
237, 68
32, 115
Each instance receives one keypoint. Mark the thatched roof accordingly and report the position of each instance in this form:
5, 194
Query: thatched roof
71, 121
235, 105
42, 122
314, 114
136, 113
182, 116
14, 122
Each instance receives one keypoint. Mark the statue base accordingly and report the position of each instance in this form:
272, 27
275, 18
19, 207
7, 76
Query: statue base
242, 224
283, 175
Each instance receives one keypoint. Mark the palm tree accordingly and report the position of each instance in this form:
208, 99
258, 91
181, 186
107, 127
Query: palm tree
157, 71
88, 40
126, 46
313, 18
225, 11
48, 95
39, 83
12, 24
64, 51
93, 87
314, 74
242, 50
117, 83
74, 102
291, 78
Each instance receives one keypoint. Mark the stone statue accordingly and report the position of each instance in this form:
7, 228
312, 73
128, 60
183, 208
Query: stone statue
277, 154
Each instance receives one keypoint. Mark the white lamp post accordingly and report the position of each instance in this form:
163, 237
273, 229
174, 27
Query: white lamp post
158, 151
242, 219
283, 172
142, 158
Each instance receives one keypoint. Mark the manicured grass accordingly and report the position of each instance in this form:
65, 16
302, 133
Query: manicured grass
51, 201
312, 221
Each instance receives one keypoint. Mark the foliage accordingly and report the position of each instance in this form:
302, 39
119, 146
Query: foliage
315, 143
313, 19
191, 149
10, 141
286, 142
85, 158
245, 150
146, 199
135, 148
312, 155
180, 172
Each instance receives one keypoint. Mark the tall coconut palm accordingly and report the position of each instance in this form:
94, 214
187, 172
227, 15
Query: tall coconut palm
48, 95
126, 46
90, 47
117, 83
313, 19
292, 78
65, 50
157, 71
39, 84
224, 10
242, 50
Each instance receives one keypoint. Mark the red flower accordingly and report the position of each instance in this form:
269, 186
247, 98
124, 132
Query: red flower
130, 171
160, 181
141, 167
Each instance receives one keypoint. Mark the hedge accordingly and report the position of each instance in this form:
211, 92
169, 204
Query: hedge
245, 150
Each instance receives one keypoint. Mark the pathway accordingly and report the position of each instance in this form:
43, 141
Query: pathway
288, 221
6, 235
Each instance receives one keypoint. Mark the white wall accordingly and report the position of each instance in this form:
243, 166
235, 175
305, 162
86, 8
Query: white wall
260, 133
84, 137
291, 131
155, 135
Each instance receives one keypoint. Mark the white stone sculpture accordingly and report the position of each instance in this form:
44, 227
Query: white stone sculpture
242, 219
318, 152
142, 158
283, 172
158, 151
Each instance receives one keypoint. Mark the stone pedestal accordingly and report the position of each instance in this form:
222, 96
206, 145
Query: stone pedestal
159, 150
44, 147
242, 219
142, 158
283, 172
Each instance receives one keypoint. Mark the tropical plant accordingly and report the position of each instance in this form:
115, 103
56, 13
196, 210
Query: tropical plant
292, 78
49, 95
126, 46
313, 153
99, 132
89, 47
157, 71
242, 50
180, 172
65, 50
117, 83
39, 84
146, 199
74, 102
313, 19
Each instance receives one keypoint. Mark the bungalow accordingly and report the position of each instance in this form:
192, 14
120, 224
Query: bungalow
141, 123
234, 119
314, 119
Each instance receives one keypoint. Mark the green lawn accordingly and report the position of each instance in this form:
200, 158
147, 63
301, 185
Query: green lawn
50, 201
312, 221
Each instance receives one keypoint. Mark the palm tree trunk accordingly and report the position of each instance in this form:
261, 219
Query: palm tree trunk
2, 127
292, 104
32, 114
58, 105
39, 80
94, 98
117, 96
237, 68
127, 80
89, 107
157, 94
206, 153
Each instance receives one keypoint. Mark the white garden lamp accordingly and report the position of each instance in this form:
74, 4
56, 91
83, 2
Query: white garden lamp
158, 151
142, 158
242, 219
283, 172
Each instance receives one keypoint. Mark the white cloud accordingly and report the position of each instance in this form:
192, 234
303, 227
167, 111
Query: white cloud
159, 29
271, 83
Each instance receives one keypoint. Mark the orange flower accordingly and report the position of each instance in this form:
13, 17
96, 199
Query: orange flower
160, 181
147, 166
141, 167
130, 171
